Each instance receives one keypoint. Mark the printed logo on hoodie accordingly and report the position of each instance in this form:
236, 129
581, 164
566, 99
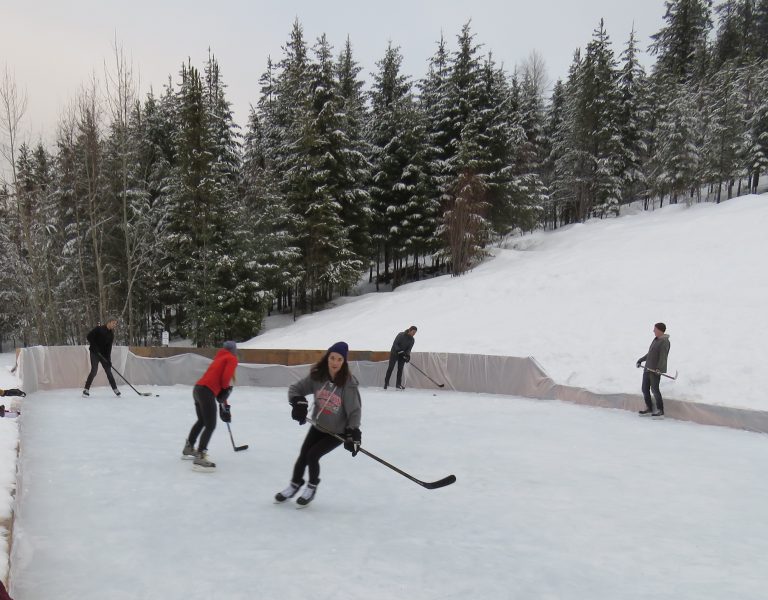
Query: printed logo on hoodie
328, 400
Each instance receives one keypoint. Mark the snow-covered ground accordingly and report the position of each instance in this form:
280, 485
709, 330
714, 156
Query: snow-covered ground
552, 501
583, 301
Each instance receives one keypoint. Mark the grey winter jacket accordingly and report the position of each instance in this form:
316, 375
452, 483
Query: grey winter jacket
656, 358
335, 408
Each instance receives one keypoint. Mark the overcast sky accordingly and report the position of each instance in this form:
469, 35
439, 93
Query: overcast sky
53, 47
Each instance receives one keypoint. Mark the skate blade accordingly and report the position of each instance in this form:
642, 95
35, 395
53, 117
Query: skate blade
184, 457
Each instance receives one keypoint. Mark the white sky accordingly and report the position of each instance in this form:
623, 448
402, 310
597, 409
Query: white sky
53, 47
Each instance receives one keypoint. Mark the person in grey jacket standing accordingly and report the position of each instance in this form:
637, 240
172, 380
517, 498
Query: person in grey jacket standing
336, 410
655, 364
400, 354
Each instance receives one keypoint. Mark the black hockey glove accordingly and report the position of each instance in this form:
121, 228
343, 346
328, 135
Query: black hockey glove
407, 357
224, 394
299, 410
639, 362
352, 439
225, 413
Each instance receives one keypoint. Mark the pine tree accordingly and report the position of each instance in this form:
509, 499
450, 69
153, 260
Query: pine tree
681, 45
756, 142
553, 124
275, 262
726, 129
676, 162
435, 105
526, 125
404, 215
634, 116
330, 263
354, 172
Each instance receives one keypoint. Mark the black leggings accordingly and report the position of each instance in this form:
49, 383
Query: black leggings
95, 361
316, 445
395, 358
205, 407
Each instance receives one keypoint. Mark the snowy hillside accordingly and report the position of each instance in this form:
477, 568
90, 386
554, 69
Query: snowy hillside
583, 301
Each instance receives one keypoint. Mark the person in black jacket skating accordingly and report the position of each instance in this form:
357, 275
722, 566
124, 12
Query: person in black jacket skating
400, 354
100, 339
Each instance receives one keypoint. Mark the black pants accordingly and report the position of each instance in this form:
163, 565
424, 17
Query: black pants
395, 358
95, 361
205, 407
316, 445
651, 384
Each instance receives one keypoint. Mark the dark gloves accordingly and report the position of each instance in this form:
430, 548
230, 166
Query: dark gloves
639, 362
225, 413
224, 394
299, 410
352, 439
407, 357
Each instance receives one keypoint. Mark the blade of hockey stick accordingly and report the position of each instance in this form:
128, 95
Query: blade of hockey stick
430, 485
235, 448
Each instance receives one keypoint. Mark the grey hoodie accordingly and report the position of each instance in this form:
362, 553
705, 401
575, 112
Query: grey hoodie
335, 408
656, 358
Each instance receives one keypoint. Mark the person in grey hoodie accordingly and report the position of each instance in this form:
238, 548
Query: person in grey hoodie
336, 410
655, 364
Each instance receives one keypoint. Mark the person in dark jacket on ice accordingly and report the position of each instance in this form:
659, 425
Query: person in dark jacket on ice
400, 354
337, 410
214, 386
655, 364
100, 339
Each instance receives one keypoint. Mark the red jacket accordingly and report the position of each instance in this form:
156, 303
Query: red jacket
220, 372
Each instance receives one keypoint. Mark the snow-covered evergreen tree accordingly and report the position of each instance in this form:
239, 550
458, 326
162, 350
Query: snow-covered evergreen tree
681, 45
676, 161
404, 214
354, 170
634, 116
726, 129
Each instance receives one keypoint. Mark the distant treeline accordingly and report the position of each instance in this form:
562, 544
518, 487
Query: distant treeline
160, 210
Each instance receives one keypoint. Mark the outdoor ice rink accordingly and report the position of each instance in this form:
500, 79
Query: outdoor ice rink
552, 501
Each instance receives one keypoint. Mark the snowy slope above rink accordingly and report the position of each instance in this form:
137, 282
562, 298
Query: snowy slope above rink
552, 501
583, 301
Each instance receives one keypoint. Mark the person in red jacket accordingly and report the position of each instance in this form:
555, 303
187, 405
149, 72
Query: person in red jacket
215, 385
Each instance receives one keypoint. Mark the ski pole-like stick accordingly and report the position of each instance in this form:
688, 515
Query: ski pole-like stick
430, 485
440, 385
235, 448
659, 372
123, 378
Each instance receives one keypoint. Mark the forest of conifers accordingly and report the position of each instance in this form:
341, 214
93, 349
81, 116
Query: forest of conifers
160, 210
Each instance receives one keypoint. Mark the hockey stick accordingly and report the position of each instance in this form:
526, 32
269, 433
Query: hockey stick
123, 378
235, 448
660, 373
440, 385
430, 485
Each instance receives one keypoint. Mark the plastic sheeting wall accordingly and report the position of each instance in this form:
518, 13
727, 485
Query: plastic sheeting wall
44, 368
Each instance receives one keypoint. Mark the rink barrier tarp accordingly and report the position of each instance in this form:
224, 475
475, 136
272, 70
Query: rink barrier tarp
57, 367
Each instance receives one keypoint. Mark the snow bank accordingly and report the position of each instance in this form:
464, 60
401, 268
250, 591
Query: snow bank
583, 300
